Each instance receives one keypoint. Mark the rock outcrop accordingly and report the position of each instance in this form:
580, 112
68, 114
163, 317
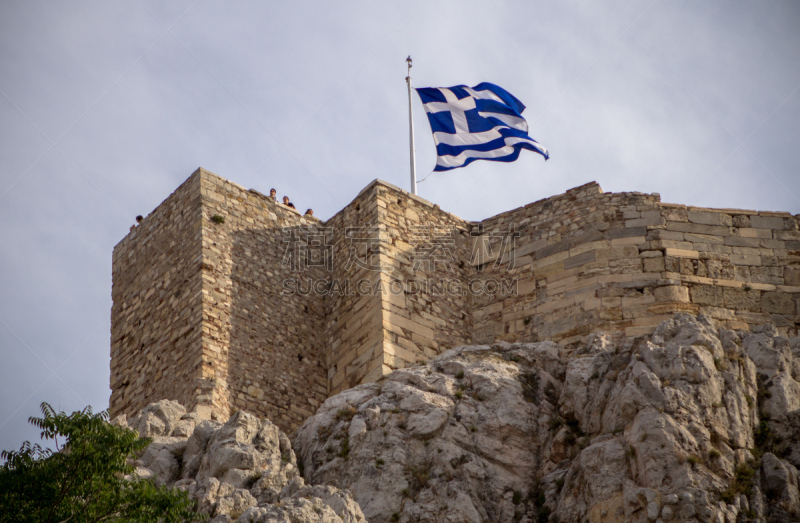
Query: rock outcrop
244, 470
693, 423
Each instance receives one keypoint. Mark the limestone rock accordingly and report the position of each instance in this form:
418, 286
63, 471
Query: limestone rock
158, 419
243, 470
196, 447
309, 505
657, 428
692, 423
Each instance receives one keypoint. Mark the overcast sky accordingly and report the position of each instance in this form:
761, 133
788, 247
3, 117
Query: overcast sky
106, 107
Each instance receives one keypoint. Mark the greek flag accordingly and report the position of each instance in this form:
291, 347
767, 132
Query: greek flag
476, 123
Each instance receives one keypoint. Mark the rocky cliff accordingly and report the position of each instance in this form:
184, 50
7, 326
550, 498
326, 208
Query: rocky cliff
693, 423
244, 470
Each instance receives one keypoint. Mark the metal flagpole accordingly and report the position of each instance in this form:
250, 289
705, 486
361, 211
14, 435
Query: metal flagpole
411, 132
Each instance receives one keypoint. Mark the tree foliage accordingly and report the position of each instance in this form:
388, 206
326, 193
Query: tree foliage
83, 480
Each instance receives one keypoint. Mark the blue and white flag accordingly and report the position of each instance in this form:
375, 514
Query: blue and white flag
476, 123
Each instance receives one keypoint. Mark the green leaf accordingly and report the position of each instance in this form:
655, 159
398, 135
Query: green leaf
82, 482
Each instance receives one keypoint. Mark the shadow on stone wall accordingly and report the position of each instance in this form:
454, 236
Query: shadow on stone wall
276, 360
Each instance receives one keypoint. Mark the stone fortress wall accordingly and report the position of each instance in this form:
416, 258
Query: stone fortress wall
203, 314
588, 261
157, 310
198, 315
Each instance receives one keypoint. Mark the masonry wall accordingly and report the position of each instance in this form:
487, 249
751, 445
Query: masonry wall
425, 296
263, 343
353, 307
587, 262
156, 312
392, 317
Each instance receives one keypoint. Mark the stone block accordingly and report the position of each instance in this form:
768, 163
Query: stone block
792, 235
546, 270
791, 276
751, 250
762, 286
641, 300
704, 217
592, 303
655, 213
616, 253
644, 222
633, 240
589, 246
777, 303
715, 230
772, 275
671, 244
718, 313
703, 238
707, 295
714, 248
581, 259
740, 299
549, 260
745, 259
753, 318
653, 264
550, 250
767, 222
614, 234
525, 249
681, 253
750, 232
671, 293
736, 241
588, 237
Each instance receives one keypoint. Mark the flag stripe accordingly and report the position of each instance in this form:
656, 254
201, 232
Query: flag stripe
499, 144
506, 154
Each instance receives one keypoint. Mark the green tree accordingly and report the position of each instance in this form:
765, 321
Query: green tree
82, 481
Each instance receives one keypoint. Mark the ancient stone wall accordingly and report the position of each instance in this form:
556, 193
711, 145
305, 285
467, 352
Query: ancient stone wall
425, 293
388, 307
263, 341
226, 300
156, 313
354, 330
201, 313
588, 261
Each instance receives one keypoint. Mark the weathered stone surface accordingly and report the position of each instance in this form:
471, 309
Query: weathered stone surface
158, 419
671, 293
609, 430
318, 504
778, 303
244, 470
557, 269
